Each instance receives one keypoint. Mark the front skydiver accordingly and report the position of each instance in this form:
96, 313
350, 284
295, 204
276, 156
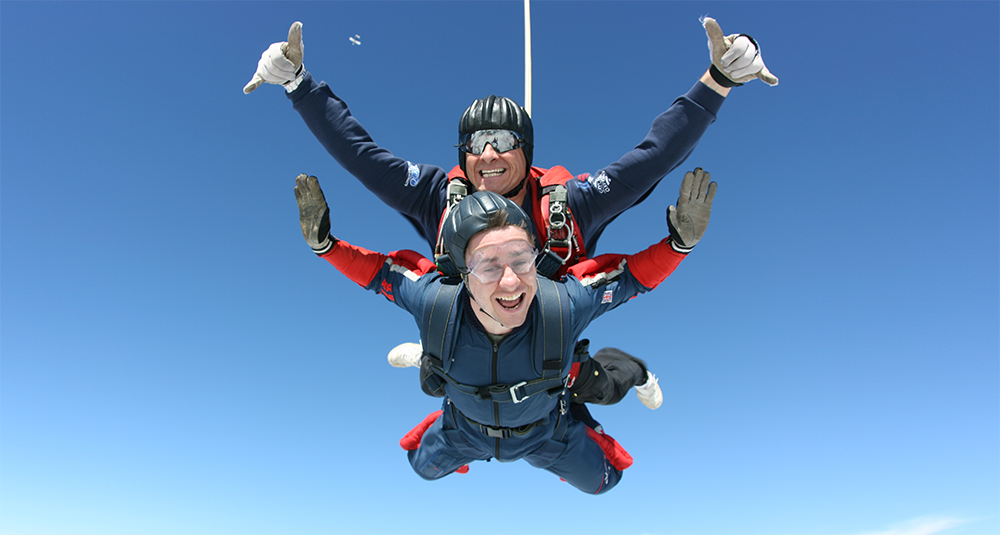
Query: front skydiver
496, 152
506, 334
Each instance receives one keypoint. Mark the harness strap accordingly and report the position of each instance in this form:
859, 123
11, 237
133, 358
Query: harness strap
500, 393
501, 432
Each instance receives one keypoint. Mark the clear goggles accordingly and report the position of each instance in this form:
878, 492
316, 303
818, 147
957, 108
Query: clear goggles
487, 264
501, 140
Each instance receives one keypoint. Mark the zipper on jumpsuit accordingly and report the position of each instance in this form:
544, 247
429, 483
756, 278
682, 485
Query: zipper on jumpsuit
496, 406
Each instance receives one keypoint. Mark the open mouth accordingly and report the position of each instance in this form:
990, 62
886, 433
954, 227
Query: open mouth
511, 303
491, 173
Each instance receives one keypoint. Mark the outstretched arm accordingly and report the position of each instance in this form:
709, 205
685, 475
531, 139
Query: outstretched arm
687, 223
367, 268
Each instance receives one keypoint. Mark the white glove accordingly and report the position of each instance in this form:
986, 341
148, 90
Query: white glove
736, 56
281, 63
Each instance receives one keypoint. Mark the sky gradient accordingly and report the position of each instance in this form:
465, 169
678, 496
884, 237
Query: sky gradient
175, 360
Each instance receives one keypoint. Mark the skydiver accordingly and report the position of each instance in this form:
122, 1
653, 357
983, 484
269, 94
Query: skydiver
489, 322
420, 191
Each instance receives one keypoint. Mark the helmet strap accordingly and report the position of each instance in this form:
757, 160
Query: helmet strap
517, 189
465, 278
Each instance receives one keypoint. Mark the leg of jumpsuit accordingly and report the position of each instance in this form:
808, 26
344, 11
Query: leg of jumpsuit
581, 462
606, 378
437, 457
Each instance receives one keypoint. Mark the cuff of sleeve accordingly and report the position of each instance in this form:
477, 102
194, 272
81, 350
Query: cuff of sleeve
325, 247
678, 247
294, 84
706, 97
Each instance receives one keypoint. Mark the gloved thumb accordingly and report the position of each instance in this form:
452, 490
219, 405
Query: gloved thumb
293, 48
766, 77
717, 44
254, 84
672, 219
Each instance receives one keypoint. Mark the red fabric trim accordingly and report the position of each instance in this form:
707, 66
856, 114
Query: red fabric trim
413, 261
357, 263
574, 372
361, 265
604, 263
655, 263
411, 440
614, 451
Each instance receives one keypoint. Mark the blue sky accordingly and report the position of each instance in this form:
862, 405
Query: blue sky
176, 361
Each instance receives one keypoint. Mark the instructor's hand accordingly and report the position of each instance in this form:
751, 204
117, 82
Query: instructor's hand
314, 214
281, 63
689, 219
736, 56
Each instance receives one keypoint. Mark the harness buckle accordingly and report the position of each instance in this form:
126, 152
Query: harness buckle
495, 432
513, 392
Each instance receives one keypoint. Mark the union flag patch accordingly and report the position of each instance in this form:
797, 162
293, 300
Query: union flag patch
607, 297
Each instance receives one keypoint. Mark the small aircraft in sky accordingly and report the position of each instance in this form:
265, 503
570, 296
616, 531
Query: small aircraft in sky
356, 40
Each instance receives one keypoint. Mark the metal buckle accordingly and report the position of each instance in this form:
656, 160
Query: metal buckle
495, 432
513, 394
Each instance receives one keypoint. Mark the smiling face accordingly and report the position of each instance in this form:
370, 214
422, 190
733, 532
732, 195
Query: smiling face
498, 172
502, 305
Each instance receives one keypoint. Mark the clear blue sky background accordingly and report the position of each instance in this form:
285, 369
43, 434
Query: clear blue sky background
175, 360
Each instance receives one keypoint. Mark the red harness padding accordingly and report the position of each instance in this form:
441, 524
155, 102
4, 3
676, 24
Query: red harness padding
614, 451
538, 181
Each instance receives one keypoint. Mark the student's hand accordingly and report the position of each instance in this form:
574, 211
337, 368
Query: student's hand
736, 56
281, 63
314, 214
689, 219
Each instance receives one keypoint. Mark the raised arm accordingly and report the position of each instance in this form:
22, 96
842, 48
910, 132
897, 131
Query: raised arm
385, 274
644, 271
415, 191
672, 137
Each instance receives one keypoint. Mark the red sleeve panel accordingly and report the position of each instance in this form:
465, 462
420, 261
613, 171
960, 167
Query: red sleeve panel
359, 264
649, 267
656, 263
362, 266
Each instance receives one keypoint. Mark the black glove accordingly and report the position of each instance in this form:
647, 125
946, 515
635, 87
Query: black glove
689, 220
314, 214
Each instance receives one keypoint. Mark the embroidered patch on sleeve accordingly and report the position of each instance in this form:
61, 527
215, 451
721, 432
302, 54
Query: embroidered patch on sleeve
607, 297
412, 175
601, 182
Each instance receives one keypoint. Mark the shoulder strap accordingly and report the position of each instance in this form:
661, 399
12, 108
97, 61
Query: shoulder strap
439, 327
563, 242
552, 328
457, 190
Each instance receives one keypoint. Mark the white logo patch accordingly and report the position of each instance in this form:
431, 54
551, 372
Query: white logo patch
601, 182
412, 175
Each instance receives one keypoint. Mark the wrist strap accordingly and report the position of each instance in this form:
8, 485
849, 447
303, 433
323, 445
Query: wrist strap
720, 78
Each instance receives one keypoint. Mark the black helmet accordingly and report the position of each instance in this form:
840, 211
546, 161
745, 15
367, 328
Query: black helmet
471, 216
500, 113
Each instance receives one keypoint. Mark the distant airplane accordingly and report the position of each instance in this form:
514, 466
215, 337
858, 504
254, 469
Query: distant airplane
356, 40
